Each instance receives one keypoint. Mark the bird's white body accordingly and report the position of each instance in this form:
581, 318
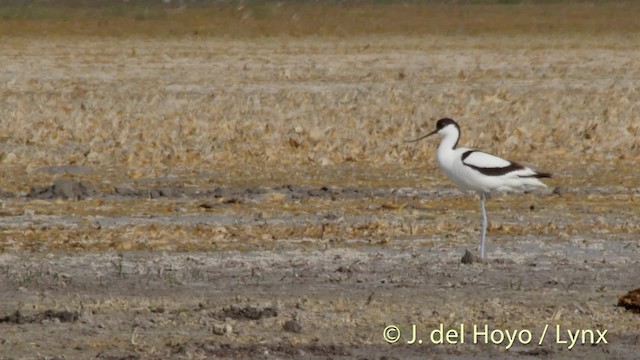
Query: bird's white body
465, 175
479, 171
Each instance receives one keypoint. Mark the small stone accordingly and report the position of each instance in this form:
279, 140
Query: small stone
631, 301
292, 326
66, 189
10, 158
127, 190
221, 329
469, 258
325, 162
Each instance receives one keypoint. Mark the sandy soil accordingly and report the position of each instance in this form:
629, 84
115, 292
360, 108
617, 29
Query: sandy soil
200, 198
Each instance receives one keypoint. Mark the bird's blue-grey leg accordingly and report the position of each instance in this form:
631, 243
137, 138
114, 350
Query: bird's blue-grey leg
484, 226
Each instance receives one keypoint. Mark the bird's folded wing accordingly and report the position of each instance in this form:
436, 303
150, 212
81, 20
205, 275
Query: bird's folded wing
483, 159
489, 164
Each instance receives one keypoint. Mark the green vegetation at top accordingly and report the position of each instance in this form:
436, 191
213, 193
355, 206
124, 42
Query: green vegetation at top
307, 17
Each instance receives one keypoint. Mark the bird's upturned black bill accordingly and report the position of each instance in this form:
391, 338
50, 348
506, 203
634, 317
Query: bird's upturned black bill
420, 138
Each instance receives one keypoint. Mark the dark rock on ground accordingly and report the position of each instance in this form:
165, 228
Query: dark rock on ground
470, 258
631, 301
66, 189
248, 312
292, 326
18, 318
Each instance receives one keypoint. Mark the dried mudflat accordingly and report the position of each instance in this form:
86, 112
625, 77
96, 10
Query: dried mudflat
199, 198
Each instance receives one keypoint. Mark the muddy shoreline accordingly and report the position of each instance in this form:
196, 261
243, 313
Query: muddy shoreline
341, 297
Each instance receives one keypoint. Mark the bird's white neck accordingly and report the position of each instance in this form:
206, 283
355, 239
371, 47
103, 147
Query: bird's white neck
450, 137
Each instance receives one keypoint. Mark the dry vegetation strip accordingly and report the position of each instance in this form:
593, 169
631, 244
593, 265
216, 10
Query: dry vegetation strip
263, 18
205, 108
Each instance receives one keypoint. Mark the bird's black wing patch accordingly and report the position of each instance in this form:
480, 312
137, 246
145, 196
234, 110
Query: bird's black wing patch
492, 171
537, 175
466, 154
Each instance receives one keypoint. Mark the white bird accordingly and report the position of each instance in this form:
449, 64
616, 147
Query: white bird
479, 171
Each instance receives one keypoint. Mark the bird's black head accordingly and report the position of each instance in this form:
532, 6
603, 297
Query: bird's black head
441, 124
444, 122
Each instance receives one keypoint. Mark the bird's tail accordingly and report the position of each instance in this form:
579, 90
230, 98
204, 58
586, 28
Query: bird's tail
534, 183
540, 175
537, 175
531, 179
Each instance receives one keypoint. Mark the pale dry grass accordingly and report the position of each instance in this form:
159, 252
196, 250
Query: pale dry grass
316, 109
